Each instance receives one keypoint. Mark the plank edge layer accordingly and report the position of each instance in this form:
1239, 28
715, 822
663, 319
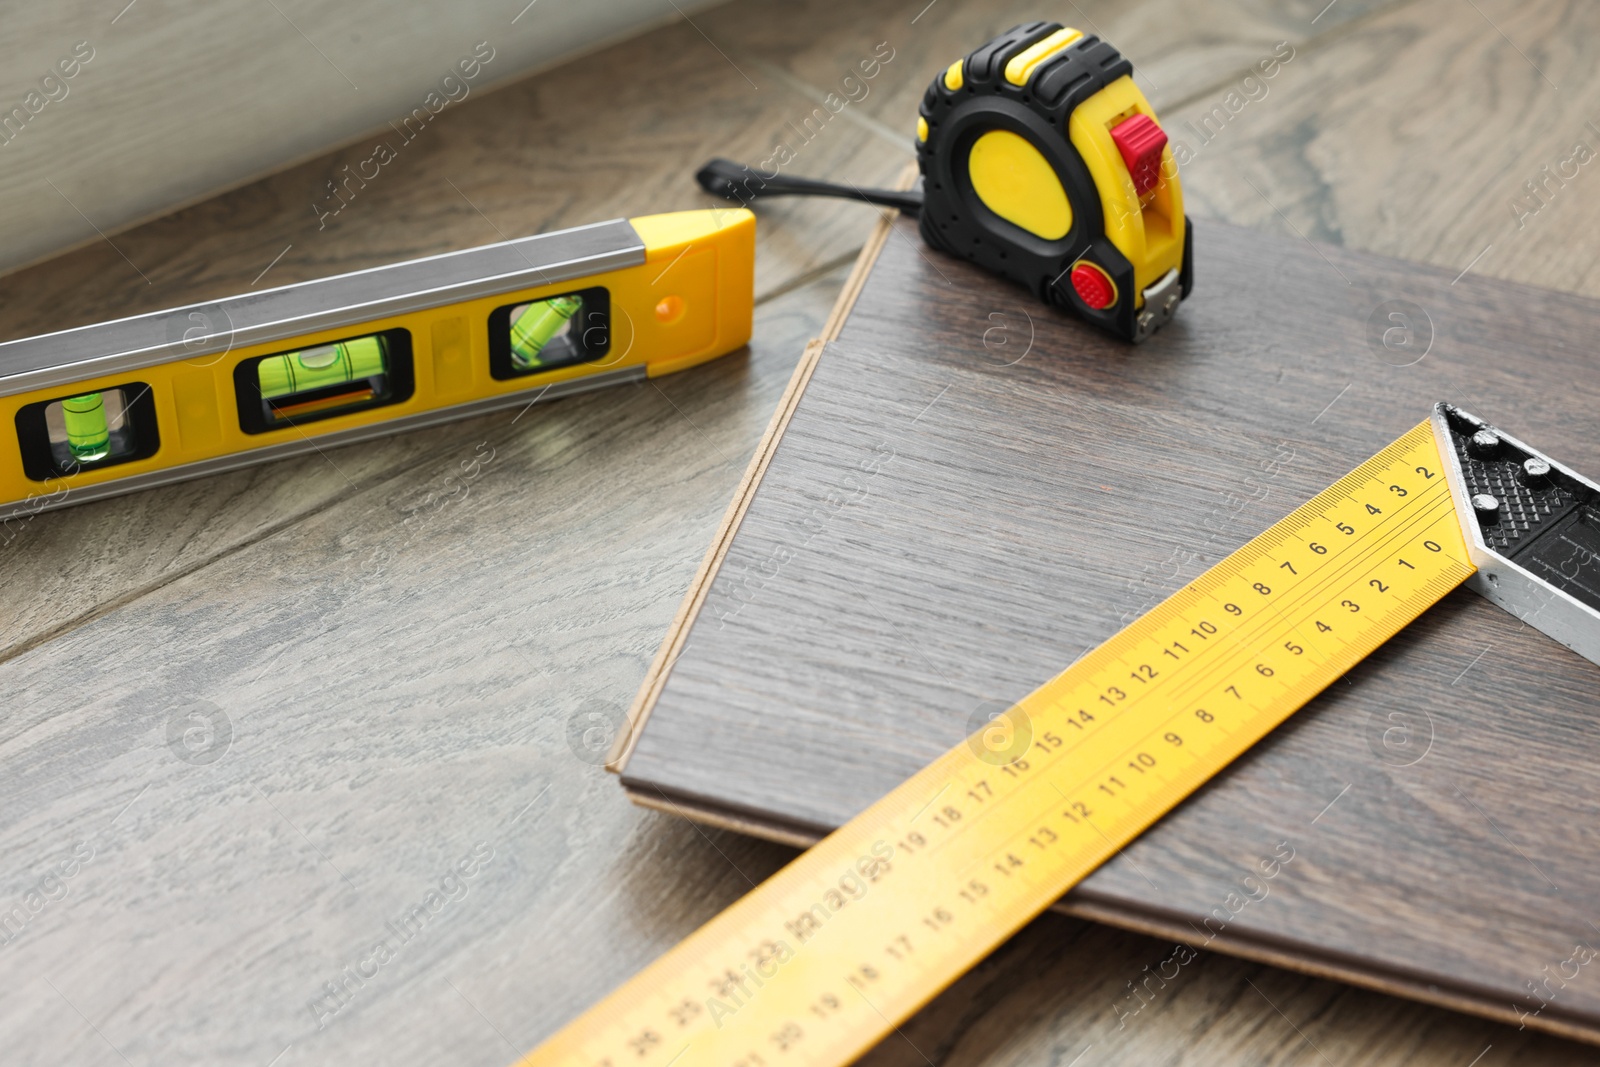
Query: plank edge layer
677, 634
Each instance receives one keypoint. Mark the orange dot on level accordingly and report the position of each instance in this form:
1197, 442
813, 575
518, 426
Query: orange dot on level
669, 308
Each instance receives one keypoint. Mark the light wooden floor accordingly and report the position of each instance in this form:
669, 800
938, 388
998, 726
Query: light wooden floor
400, 664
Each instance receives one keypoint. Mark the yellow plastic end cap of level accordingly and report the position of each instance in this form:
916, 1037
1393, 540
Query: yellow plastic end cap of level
675, 228
1016, 182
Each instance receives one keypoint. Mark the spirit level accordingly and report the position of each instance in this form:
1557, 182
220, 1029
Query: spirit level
1043, 162
822, 960
156, 398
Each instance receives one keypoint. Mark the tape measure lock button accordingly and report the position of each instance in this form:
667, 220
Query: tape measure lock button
1141, 141
1093, 285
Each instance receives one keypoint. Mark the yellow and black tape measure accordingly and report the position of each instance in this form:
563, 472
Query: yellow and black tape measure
822, 960
1043, 162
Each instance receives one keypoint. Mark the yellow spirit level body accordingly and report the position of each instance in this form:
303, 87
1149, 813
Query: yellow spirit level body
216, 386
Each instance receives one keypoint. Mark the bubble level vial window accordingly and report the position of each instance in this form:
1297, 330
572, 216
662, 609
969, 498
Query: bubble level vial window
72, 434
293, 388
541, 335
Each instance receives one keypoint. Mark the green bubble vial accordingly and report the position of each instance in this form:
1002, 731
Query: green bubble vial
535, 327
317, 368
88, 435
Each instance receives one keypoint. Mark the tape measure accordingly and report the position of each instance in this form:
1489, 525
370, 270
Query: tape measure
156, 398
826, 957
1043, 162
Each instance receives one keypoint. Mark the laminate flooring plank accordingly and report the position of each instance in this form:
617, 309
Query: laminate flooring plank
1400, 77
1396, 75
944, 525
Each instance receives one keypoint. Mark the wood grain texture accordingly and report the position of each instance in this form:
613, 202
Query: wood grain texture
1061, 989
1414, 133
216, 906
949, 520
672, 647
382, 686
1180, 52
394, 700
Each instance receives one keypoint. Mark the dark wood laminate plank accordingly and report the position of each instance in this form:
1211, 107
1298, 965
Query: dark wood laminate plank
937, 529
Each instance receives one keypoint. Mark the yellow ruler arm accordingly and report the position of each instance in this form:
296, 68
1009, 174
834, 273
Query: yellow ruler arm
823, 959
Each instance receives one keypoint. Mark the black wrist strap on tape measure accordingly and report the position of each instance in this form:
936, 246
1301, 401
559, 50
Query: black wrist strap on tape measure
736, 181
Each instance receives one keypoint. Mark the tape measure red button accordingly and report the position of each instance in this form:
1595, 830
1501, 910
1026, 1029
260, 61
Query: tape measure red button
1140, 141
1092, 286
